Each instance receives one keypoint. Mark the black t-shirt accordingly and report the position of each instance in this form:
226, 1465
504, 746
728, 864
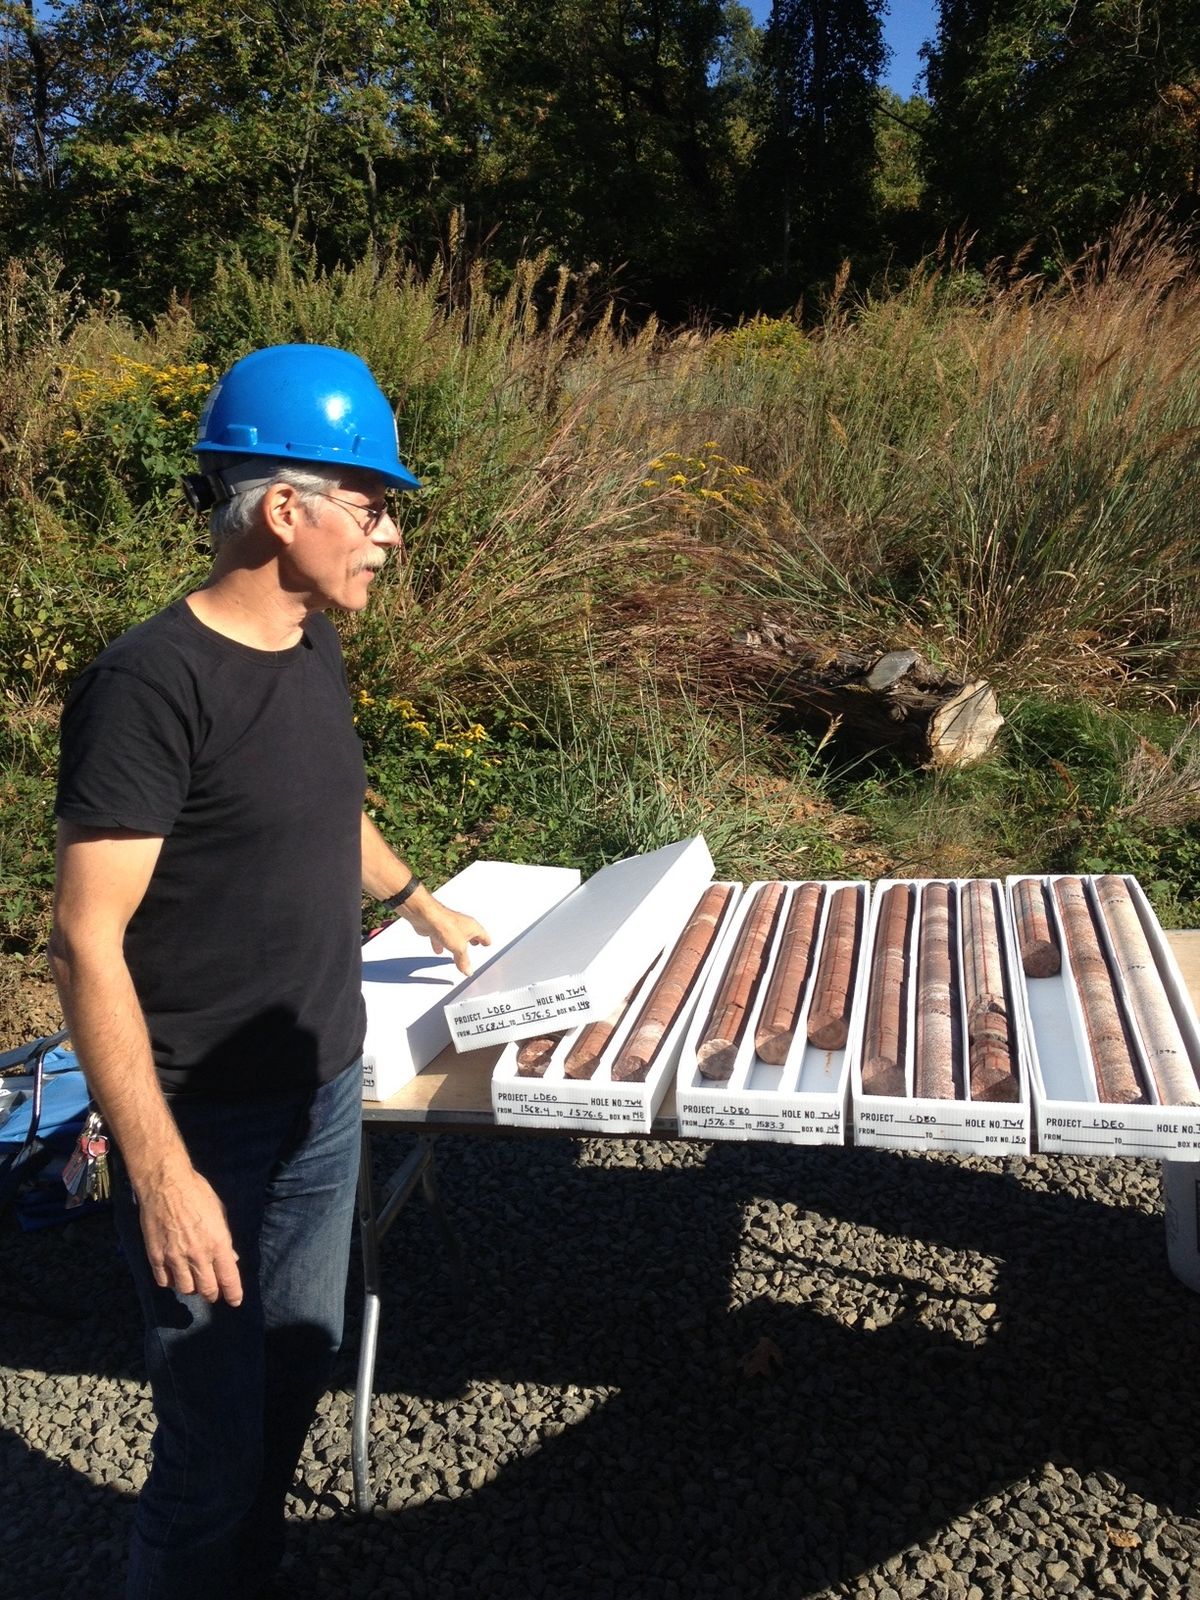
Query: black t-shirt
246, 950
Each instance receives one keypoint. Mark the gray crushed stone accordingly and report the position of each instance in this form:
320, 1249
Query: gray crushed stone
681, 1370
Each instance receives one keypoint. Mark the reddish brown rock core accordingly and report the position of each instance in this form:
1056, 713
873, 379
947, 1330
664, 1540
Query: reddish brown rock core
1040, 955
584, 1055
533, 1055
833, 987
1163, 1043
777, 1020
883, 1035
991, 1056
666, 999
718, 1046
937, 1046
1116, 1074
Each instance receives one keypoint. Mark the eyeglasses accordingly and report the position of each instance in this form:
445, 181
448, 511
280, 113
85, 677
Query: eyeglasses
373, 515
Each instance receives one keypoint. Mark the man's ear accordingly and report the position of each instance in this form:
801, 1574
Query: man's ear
283, 512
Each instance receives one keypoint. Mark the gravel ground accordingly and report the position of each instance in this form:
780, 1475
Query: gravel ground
682, 1370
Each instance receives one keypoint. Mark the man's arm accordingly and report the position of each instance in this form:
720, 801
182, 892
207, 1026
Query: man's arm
384, 874
102, 877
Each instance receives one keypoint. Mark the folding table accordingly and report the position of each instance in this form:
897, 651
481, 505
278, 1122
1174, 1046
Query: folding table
453, 1095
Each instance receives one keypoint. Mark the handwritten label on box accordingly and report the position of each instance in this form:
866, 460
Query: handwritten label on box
534, 1006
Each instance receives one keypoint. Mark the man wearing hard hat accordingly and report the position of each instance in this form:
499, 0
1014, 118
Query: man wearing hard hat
207, 930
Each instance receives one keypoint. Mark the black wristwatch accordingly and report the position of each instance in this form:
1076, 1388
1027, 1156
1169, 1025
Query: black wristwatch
395, 901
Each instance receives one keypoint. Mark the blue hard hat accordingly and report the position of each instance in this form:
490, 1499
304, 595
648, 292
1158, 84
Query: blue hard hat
304, 402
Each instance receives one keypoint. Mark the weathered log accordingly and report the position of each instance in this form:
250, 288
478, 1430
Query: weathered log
895, 700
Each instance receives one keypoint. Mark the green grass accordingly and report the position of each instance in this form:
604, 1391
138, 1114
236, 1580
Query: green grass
1002, 480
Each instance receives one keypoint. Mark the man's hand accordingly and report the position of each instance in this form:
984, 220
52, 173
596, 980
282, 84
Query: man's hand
447, 930
384, 874
187, 1238
102, 877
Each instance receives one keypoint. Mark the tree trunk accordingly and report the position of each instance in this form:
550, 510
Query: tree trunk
892, 701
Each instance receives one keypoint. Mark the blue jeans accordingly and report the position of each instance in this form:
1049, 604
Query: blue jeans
235, 1388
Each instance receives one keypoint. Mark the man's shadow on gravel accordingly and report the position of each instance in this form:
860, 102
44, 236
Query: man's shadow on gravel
67, 1309
694, 1474
854, 1442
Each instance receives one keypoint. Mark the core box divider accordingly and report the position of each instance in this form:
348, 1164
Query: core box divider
598, 1104
804, 1101
965, 1125
406, 986
1070, 1117
580, 961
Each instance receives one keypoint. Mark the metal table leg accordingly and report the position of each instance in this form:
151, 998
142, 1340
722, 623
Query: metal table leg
374, 1221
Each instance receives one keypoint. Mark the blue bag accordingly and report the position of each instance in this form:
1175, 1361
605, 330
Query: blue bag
31, 1168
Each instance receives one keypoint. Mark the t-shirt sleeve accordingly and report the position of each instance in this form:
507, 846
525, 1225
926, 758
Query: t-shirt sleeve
125, 756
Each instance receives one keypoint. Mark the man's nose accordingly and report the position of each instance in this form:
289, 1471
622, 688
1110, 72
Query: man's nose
385, 532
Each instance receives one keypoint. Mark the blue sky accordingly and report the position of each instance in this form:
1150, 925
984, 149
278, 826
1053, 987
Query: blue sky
906, 27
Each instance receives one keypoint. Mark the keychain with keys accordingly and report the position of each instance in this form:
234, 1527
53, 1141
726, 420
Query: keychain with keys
86, 1171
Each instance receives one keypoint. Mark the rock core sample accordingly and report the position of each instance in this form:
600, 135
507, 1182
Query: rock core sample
883, 1035
1116, 1075
718, 1046
672, 987
777, 1020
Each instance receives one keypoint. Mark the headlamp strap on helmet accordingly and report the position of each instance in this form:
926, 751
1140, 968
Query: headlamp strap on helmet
204, 490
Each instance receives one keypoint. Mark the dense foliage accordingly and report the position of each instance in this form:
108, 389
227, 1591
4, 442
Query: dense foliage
1050, 116
892, 411
999, 474
711, 165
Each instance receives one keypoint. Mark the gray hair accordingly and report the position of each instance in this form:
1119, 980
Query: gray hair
231, 518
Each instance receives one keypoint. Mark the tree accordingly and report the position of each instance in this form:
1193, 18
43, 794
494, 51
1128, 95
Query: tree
813, 181
1051, 116
145, 137
628, 156
899, 174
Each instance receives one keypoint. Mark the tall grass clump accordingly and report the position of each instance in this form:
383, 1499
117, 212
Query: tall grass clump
1005, 483
594, 773
999, 473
